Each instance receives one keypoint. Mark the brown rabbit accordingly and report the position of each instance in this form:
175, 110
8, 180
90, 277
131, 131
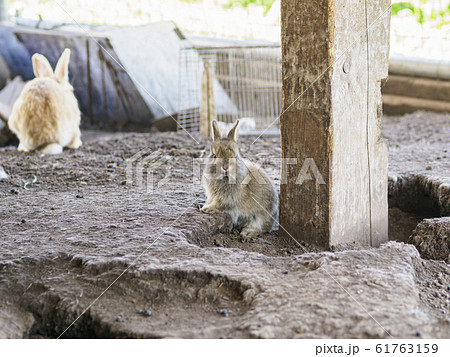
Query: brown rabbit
238, 187
46, 117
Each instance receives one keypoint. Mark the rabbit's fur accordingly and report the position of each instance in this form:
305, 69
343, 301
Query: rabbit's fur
46, 116
238, 187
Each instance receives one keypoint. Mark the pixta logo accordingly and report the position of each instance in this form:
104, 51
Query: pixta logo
148, 170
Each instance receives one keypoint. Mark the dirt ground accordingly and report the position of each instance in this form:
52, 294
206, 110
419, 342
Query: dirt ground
419, 144
71, 224
99, 170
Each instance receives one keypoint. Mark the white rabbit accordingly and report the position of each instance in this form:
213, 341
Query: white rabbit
46, 116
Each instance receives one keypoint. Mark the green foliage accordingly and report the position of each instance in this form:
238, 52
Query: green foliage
420, 16
433, 15
399, 6
419, 13
245, 3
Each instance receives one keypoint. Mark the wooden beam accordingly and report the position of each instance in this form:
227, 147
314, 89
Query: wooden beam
334, 54
208, 110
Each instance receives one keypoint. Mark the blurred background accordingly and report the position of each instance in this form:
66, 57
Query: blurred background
419, 28
161, 64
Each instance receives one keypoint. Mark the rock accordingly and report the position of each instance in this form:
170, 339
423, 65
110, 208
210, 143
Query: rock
145, 312
432, 238
14, 322
3, 174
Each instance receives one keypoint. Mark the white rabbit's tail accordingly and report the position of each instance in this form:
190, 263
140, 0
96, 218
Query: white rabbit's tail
51, 149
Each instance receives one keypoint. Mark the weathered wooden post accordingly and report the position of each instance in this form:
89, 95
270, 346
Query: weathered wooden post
334, 54
208, 109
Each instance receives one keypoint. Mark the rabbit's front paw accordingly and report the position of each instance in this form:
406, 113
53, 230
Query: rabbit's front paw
250, 233
209, 209
75, 143
22, 147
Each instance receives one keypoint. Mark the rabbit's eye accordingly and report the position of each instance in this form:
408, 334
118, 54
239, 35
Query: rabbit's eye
214, 156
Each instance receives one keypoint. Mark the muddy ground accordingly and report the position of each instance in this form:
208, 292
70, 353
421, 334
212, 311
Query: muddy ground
77, 237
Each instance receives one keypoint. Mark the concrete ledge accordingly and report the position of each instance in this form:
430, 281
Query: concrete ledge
424, 88
398, 105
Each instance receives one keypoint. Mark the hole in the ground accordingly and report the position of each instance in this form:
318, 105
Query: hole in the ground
416, 194
51, 321
413, 198
402, 224
149, 304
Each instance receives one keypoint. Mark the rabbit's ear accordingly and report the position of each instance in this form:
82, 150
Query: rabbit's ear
41, 66
233, 134
216, 135
62, 67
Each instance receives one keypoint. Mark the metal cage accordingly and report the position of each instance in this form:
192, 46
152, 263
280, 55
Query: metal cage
247, 85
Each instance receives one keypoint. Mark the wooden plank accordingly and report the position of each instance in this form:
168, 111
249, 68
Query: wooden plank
378, 17
251, 82
208, 109
399, 105
305, 45
331, 98
425, 88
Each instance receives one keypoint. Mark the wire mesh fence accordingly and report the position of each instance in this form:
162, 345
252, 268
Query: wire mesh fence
247, 85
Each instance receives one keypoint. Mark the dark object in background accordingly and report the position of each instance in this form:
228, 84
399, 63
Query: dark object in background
8, 96
6, 136
123, 78
168, 123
